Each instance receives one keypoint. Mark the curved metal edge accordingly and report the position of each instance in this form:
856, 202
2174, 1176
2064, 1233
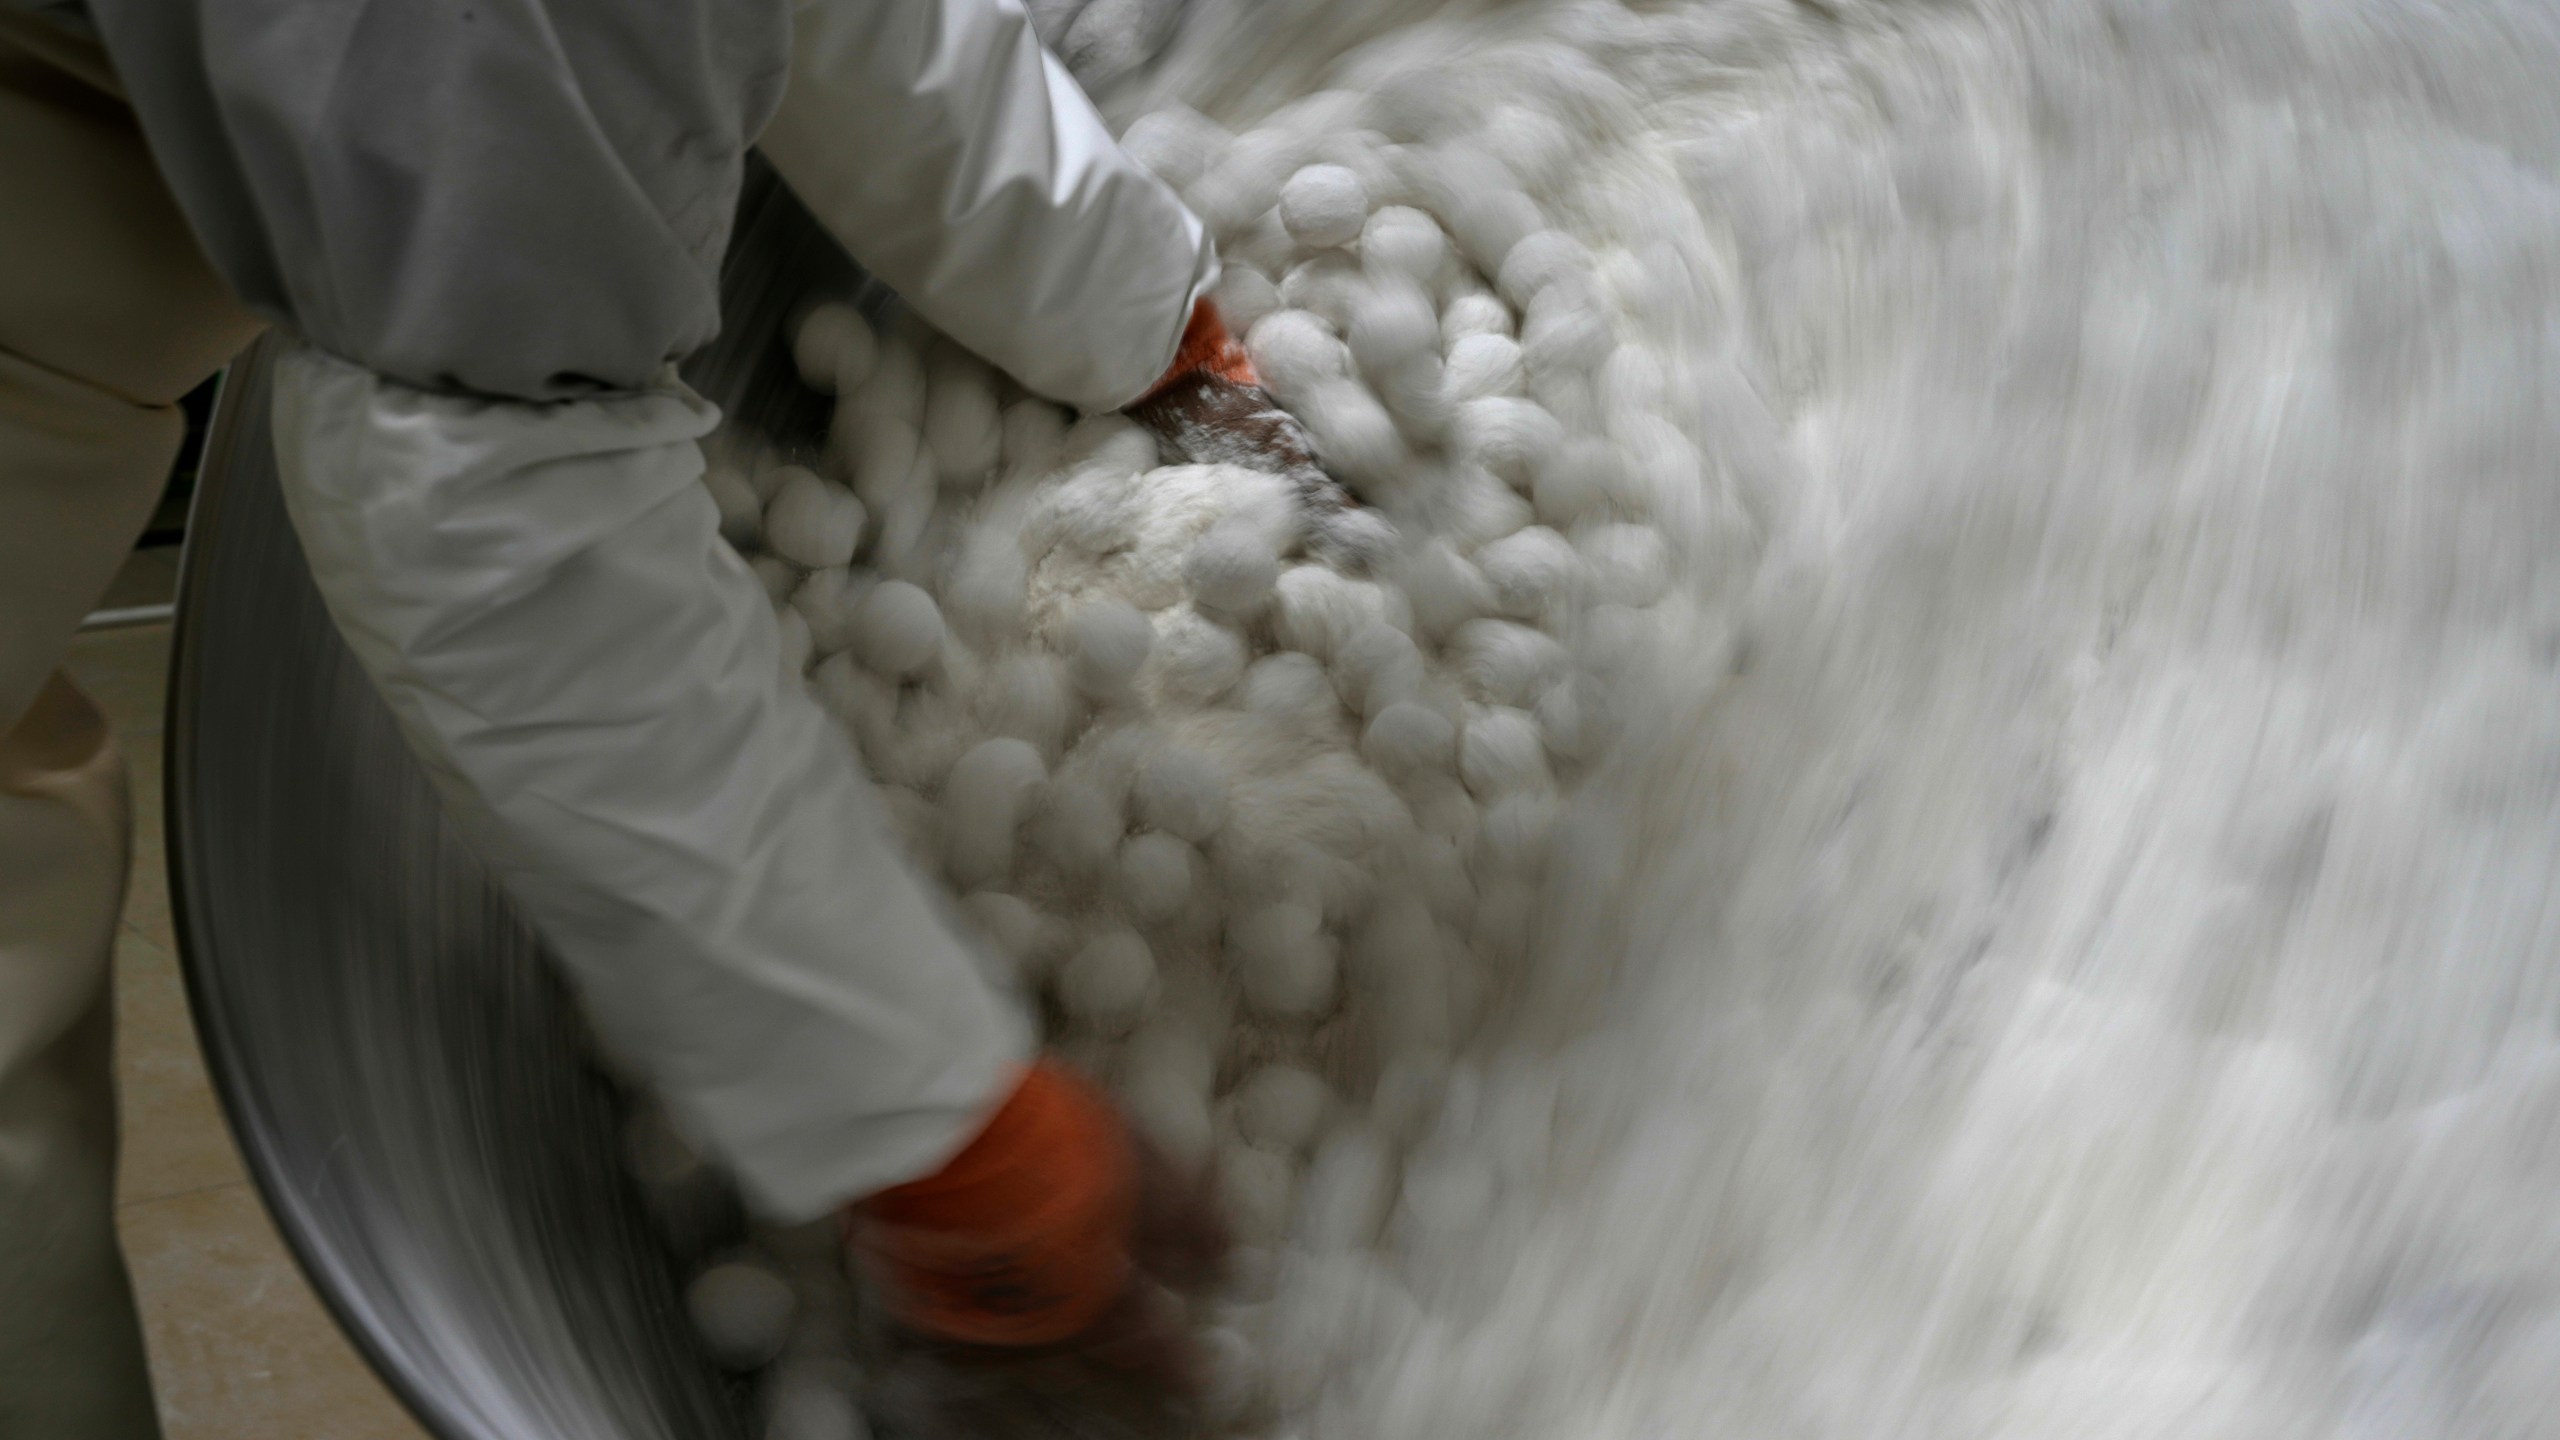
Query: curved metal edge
240, 420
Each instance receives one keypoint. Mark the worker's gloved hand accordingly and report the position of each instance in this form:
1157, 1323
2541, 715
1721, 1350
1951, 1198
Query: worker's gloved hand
1038, 1275
1210, 409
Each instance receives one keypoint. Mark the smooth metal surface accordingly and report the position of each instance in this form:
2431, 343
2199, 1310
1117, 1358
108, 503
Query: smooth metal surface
125, 617
405, 1074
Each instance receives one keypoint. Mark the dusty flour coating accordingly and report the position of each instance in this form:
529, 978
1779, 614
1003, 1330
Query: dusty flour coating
1982, 870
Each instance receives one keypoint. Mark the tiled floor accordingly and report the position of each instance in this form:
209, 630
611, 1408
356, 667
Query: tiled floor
240, 1349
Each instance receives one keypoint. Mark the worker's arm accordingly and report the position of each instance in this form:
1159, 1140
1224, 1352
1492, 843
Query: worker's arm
957, 160
592, 677
497, 225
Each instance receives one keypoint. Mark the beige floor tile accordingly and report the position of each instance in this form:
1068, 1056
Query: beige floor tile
174, 1137
125, 671
240, 1348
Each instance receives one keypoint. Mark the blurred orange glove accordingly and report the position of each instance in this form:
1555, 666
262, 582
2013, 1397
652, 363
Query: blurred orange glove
1210, 409
1024, 1238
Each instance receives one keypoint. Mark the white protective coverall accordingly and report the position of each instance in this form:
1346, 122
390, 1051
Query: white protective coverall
494, 227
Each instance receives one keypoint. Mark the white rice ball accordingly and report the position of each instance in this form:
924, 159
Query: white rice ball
1564, 331
1409, 1091
808, 1402
1194, 659
1516, 832
1289, 686
1107, 985
1176, 143
983, 598
878, 451
1409, 738
1183, 792
1443, 587
1109, 640
1404, 242
1027, 697
1015, 927
961, 426
1172, 1115
1234, 1377
1245, 295
1377, 667
1476, 312
1632, 383
1257, 1188
1282, 1107
1324, 205
1581, 480
1393, 326
1034, 432
1532, 571
1573, 721
1158, 873
1174, 1043
1474, 508
834, 349
1245, 179
812, 522
1509, 436
1502, 663
1079, 827
1353, 432
742, 1310
898, 630
863, 705
989, 791
794, 646
831, 601
1501, 753
893, 389
1663, 472
1232, 570
1348, 1190
1547, 258
1486, 222
1319, 608
1296, 350
1284, 962
1629, 564
1330, 285
1481, 366
1416, 392
1353, 539
741, 509
1534, 145
904, 548
1090, 514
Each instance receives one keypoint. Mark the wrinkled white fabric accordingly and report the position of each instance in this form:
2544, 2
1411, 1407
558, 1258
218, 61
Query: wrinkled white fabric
957, 160
590, 674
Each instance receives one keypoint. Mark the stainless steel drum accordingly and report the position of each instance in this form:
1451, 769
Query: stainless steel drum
398, 1061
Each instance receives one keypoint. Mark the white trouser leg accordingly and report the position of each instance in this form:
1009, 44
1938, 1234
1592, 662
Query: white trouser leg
71, 1360
107, 315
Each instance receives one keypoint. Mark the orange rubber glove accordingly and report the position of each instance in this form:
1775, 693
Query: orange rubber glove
1210, 409
1024, 1238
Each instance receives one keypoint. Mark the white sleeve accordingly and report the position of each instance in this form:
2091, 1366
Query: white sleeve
592, 678
956, 159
